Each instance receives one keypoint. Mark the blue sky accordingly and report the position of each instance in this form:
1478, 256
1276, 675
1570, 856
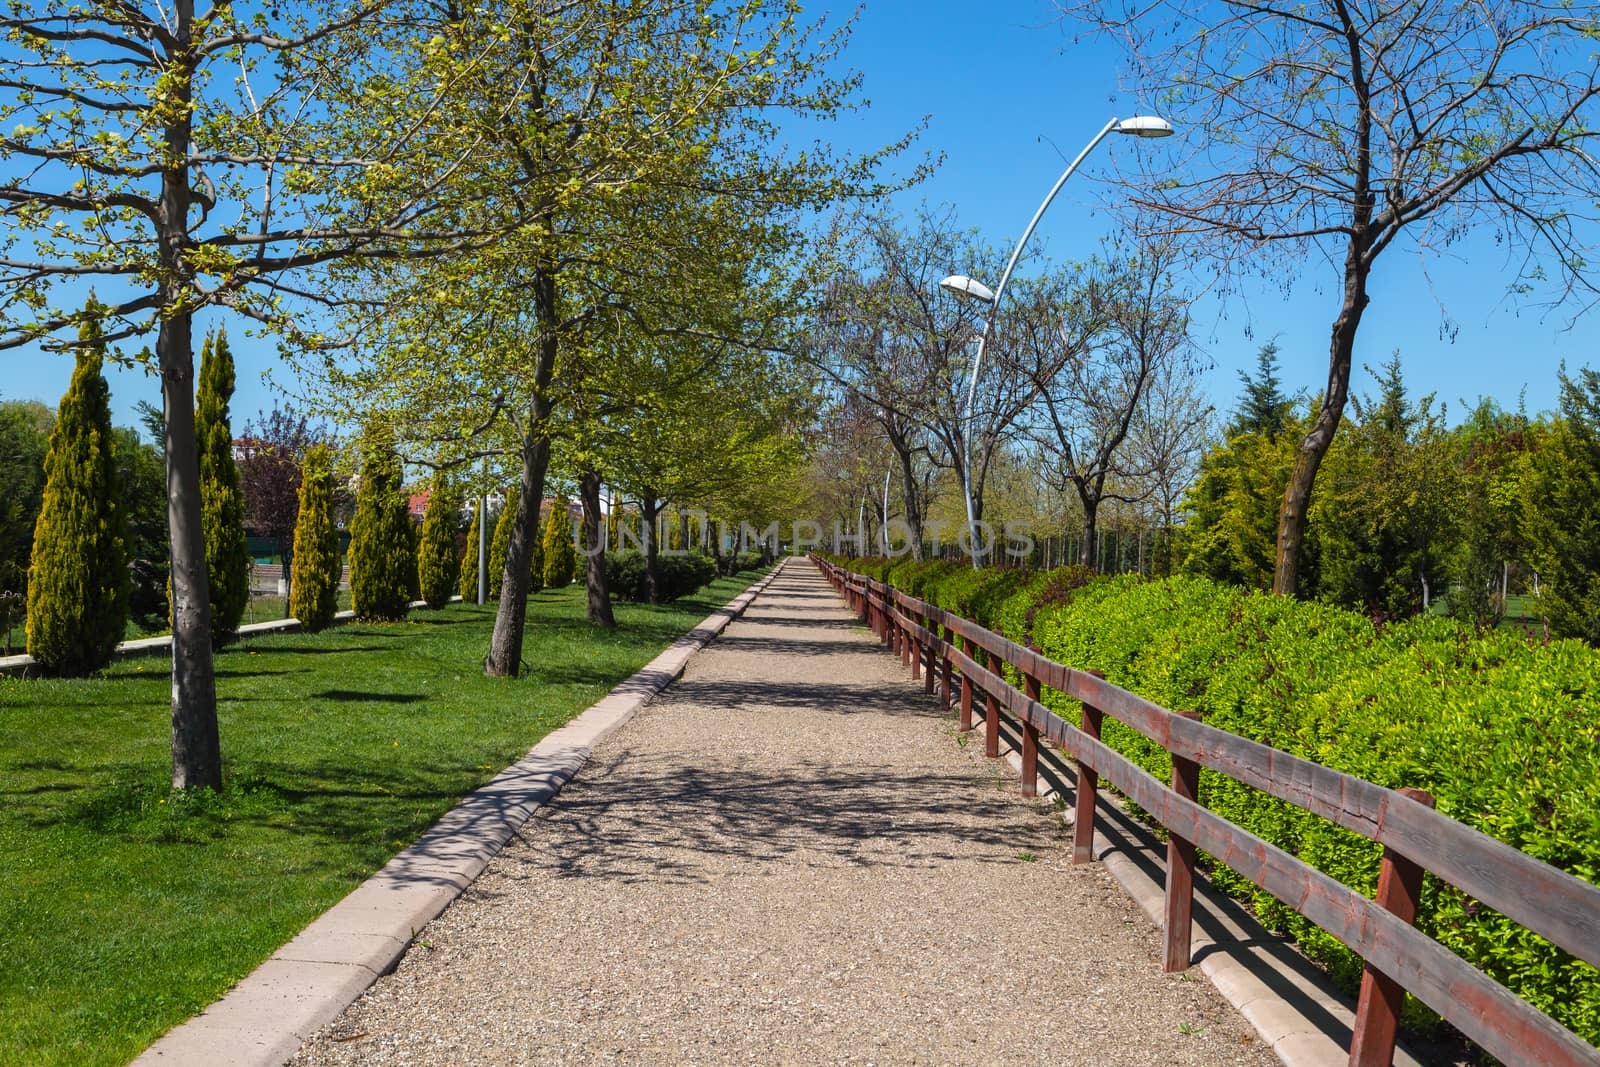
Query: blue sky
1010, 95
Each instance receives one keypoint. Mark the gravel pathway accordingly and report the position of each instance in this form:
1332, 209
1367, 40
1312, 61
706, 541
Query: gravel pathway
789, 858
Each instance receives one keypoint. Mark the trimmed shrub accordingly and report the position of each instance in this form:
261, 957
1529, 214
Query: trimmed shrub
559, 556
383, 549
314, 588
78, 578
436, 548
678, 575
499, 542
468, 584
1499, 730
221, 502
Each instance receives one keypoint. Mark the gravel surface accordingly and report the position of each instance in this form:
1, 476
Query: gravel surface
789, 858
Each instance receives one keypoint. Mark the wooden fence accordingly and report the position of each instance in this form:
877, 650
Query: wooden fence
965, 661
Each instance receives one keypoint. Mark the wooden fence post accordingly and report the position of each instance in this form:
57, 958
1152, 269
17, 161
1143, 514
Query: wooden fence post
914, 647
930, 653
991, 711
1030, 740
1180, 869
966, 689
1088, 780
1378, 1009
944, 669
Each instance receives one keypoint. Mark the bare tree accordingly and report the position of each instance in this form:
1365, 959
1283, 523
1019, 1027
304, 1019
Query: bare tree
1168, 436
890, 336
1327, 130
1103, 333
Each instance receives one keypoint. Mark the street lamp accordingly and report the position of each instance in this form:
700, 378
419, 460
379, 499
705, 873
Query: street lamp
971, 289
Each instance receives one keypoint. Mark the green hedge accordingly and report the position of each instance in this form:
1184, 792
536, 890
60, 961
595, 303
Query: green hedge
1504, 732
1501, 731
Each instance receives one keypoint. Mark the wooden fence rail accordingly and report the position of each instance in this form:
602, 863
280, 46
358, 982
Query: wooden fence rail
1399, 958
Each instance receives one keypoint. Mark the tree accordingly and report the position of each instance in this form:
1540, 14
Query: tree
383, 551
468, 568
597, 592
436, 552
314, 590
1101, 336
640, 143
1492, 453
199, 162
24, 443
275, 444
1232, 508
1561, 508
559, 555
1167, 439
78, 578
142, 475
1325, 132
889, 335
500, 542
1388, 503
222, 504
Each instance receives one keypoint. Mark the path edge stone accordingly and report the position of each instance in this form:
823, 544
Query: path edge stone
1276, 989
263, 1020
146, 646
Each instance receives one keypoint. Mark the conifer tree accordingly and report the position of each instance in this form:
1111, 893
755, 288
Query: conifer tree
221, 502
78, 579
383, 553
314, 592
436, 554
497, 544
560, 555
468, 586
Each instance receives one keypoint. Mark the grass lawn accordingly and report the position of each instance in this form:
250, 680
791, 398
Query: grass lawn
125, 909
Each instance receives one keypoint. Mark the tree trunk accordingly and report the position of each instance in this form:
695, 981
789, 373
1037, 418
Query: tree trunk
1297, 496
599, 595
196, 746
510, 618
908, 483
649, 509
1087, 554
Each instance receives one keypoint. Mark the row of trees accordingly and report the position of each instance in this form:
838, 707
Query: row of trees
1091, 383
1413, 509
515, 227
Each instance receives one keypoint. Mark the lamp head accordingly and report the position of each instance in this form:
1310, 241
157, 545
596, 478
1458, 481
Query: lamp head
1145, 126
968, 288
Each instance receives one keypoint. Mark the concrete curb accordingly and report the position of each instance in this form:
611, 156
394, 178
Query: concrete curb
263, 1020
1287, 998
145, 645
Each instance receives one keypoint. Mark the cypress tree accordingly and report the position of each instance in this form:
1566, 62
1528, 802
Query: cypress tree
78, 578
468, 586
383, 555
498, 543
221, 502
436, 555
314, 592
560, 556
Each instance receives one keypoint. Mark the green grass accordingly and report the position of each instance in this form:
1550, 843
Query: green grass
126, 908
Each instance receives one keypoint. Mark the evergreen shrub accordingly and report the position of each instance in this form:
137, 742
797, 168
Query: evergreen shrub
221, 501
383, 551
468, 584
436, 548
78, 576
558, 554
314, 585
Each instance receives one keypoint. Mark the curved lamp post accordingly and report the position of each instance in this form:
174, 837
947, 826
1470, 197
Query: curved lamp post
972, 289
